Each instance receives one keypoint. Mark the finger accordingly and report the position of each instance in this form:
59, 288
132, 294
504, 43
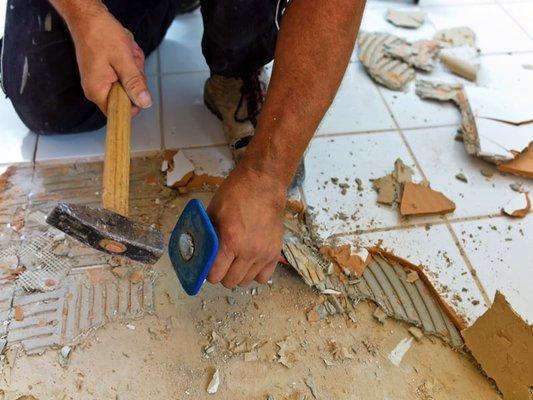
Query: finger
134, 111
96, 86
236, 272
257, 267
221, 265
266, 272
133, 80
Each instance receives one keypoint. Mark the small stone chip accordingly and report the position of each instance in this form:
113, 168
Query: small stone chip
18, 313
416, 332
460, 176
487, 172
380, 315
412, 276
516, 186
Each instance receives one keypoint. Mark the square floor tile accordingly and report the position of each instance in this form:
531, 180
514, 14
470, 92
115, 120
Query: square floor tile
500, 251
523, 14
410, 111
186, 120
18, 143
496, 31
363, 156
357, 106
434, 249
441, 158
506, 71
145, 136
181, 50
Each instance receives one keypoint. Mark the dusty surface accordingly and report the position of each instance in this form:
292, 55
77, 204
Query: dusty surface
164, 356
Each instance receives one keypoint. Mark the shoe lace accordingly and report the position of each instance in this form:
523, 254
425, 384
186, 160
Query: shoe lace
253, 95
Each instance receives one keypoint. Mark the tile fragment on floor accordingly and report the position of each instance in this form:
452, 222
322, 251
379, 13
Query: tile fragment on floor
502, 343
384, 282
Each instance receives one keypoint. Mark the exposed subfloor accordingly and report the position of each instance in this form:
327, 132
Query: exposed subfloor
172, 353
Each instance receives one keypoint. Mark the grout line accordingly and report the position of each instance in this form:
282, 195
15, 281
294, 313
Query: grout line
409, 149
444, 220
514, 19
469, 265
160, 95
34, 155
370, 131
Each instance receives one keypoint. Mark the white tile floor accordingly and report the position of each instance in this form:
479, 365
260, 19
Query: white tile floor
468, 254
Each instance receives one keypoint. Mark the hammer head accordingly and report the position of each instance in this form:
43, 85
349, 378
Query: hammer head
108, 231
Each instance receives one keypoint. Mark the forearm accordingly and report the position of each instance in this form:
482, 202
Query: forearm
76, 12
314, 46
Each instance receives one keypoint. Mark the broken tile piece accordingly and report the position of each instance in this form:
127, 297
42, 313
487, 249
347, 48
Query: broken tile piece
406, 19
418, 199
180, 171
518, 206
456, 36
420, 54
287, 353
397, 354
522, 165
416, 332
351, 262
212, 388
502, 343
460, 66
389, 187
379, 315
388, 72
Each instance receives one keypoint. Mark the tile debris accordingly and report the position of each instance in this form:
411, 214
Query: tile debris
502, 343
288, 352
522, 165
397, 354
418, 199
457, 36
518, 207
389, 187
406, 19
389, 72
214, 383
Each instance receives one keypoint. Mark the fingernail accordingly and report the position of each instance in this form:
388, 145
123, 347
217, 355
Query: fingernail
144, 100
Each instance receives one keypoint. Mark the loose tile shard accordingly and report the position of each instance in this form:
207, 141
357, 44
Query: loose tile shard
406, 19
397, 354
384, 282
502, 343
288, 352
518, 206
522, 165
418, 199
420, 54
390, 186
352, 263
178, 168
214, 383
389, 72
456, 36
460, 66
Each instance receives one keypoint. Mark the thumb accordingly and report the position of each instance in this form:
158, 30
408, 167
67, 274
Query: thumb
134, 82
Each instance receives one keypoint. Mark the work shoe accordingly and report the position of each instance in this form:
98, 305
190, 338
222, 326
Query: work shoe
237, 103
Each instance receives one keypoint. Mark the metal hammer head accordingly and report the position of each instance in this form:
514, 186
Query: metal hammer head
108, 231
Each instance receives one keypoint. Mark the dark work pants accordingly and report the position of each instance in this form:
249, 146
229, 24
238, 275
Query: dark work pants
40, 75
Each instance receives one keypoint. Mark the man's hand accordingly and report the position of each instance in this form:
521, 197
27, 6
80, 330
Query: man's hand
247, 211
106, 53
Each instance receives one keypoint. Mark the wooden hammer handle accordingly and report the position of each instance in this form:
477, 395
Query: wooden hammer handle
116, 177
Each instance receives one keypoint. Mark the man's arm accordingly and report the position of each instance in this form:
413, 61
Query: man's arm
105, 52
314, 46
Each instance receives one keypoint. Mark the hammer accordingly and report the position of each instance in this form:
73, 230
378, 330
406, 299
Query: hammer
108, 229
